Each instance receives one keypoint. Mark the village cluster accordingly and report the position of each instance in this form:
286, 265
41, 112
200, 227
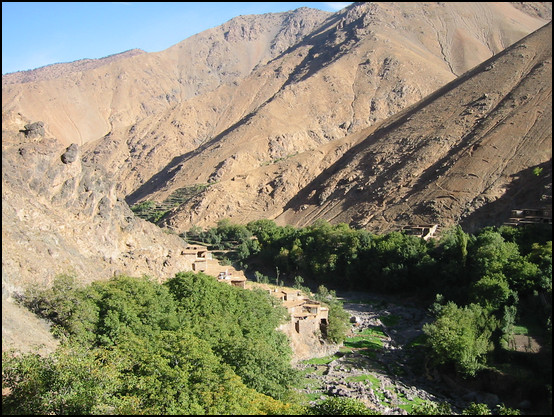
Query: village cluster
306, 315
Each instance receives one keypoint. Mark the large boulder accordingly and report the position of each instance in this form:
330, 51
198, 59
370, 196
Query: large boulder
32, 130
71, 153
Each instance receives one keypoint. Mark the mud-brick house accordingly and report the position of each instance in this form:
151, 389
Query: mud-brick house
306, 316
234, 280
312, 318
426, 231
286, 294
202, 261
522, 217
294, 306
198, 255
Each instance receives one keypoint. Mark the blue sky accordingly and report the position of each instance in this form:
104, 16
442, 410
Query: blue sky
43, 33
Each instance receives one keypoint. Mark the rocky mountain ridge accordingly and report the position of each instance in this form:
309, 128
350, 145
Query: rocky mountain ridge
49, 72
87, 104
342, 78
472, 145
247, 181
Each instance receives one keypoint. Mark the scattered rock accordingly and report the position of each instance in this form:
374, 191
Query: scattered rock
71, 153
355, 320
34, 130
398, 384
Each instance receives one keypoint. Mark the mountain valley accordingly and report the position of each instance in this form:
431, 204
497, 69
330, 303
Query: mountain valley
381, 117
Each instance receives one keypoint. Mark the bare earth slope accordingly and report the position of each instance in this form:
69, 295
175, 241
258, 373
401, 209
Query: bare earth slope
60, 216
465, 154
379, 72
84, 101
311, 77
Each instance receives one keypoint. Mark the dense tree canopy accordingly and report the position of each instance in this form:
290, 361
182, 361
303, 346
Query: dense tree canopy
461, 335
487, 277
240, 326
195, 346
189, 346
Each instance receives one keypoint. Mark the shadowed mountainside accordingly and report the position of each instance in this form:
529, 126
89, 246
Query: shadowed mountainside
361, 66
261, 88
445, 160
245, 189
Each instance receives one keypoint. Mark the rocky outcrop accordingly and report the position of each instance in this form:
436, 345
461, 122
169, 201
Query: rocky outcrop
60, 216
34, 130
72, 220
71, 154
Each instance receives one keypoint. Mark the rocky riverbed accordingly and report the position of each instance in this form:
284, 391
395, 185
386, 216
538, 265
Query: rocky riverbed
382, 363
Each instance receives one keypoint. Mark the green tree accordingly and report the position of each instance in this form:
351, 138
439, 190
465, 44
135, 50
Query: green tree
211, 237
132, 306
506, 411
323, 294
461, 242
491, 292
261, 278
73, 380
232, 233
537, 171
338, 325
475, 409
296, 254
70, 307
282, 260
339, 320
240, 326
243, 250
161, 349
195, 231
532, 272
298, 281
461, 335
491, 253
172, 373
177, 373
268, 233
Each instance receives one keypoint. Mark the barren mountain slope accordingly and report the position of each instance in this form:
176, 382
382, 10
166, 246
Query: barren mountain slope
465, 154
60, 216
103, 95
390, 44
364, 65
52, 71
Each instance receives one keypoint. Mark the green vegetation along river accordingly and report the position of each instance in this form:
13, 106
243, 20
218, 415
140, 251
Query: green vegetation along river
382, 363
